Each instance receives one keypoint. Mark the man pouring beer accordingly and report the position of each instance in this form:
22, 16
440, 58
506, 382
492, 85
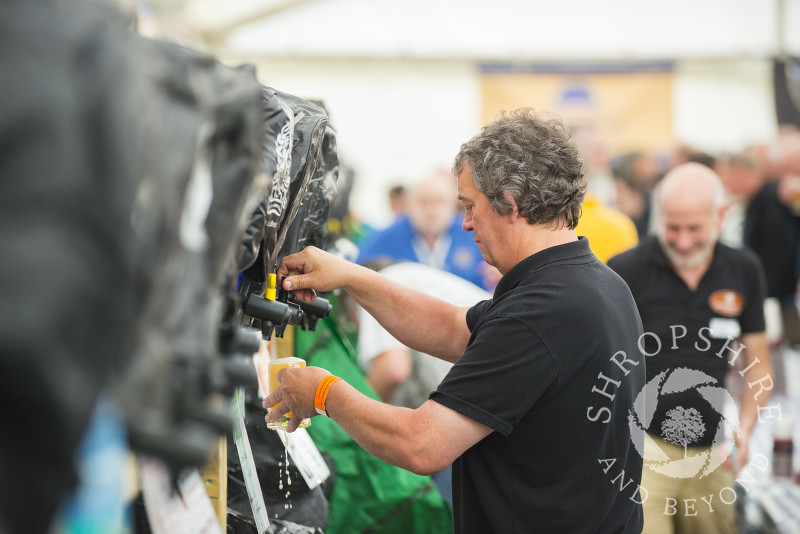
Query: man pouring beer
511, 415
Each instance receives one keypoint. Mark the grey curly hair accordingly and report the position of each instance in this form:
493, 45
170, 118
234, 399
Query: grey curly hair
531, 157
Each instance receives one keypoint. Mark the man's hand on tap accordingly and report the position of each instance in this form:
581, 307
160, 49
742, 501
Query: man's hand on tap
313, 269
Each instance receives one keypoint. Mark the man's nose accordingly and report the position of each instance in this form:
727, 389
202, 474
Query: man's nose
684, 241
467, 224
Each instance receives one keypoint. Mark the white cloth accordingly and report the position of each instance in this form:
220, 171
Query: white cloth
373, 340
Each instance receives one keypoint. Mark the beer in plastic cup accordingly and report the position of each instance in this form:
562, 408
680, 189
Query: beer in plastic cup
275, 366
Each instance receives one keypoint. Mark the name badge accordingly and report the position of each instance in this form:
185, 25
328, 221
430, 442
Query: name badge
722, 328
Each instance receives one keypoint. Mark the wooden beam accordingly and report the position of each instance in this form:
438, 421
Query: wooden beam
215, 477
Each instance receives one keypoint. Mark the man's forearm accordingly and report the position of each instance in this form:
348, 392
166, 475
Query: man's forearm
384, 431
424, 441
417, 320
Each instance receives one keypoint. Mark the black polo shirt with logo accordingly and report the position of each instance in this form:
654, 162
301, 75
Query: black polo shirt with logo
538, 349
687, 329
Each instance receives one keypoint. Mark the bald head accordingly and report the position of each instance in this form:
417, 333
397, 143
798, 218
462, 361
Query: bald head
690, 199
431, 204
691, 187
438, 182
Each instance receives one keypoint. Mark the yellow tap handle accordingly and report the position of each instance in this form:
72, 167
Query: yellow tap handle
271, 291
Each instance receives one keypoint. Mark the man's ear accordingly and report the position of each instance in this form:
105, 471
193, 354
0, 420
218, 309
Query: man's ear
514, 213
723, 210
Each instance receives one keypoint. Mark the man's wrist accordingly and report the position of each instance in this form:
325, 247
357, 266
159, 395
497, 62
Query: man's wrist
321, 396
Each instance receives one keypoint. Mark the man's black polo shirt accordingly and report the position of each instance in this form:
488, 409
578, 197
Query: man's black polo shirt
728, 302
535, 355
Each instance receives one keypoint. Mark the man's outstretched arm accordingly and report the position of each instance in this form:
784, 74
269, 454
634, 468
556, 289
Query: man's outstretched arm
424, 441
417, 320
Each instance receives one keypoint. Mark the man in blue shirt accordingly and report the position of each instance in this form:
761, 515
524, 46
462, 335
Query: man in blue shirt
430, 234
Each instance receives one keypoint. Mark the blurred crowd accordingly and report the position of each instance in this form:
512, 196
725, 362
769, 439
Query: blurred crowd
762, 183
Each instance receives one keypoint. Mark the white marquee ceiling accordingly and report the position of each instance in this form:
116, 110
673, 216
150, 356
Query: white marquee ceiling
498, 30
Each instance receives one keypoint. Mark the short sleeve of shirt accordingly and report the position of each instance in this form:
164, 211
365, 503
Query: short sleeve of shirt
752, 318
505, 370
476, 312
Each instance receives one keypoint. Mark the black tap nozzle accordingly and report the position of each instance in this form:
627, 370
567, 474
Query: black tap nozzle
274, 314
313, 311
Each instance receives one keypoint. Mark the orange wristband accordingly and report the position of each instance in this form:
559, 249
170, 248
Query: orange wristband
322, 394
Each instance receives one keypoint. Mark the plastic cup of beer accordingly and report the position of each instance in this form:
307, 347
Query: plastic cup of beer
274, 366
